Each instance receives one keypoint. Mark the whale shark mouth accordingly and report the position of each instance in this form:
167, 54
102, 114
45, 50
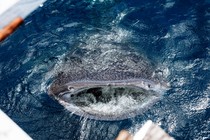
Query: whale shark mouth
108, 100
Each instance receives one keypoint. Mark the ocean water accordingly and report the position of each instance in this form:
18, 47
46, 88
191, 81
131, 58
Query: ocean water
174, 34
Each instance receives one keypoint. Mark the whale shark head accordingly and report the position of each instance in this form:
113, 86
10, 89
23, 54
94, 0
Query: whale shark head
102, 80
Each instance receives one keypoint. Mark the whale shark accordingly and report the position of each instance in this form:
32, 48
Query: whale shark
105, 80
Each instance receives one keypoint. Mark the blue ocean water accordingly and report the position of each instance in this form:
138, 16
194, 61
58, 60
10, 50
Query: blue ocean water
172, 33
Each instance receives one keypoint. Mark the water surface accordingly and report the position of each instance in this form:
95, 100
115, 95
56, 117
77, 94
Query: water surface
174, 34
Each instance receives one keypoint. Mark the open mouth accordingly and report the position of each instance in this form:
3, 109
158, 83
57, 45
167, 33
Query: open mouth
109, 100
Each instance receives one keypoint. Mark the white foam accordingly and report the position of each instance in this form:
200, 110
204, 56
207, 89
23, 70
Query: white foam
83, 130
18, 88
198, 105
114, 106
208, 86
167, 35
100, 1
73, 24
121, 15
169, 4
